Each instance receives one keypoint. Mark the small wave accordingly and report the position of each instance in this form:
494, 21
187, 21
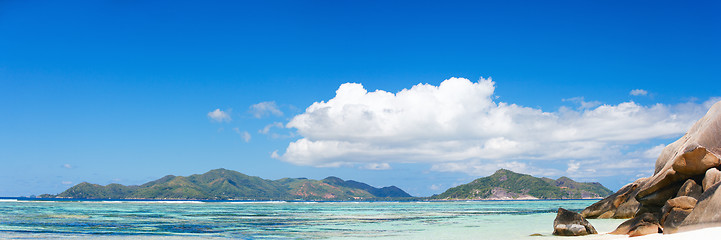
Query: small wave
68, 216
35, 201
8, 200
151, 201
172, 201
257, 202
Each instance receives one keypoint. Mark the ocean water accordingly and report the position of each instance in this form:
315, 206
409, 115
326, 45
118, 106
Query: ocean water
21, 219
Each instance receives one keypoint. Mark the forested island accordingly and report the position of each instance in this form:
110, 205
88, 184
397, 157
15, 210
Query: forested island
223, 184
507, 185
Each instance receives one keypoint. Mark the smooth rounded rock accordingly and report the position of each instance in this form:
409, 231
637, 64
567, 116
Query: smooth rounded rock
674, 218
695, 162
707, 211
687, 157
676, 210
568, 223
683, 202
639, 225
645, 229
690, 188
682, 192
711, 177
628, 209
658, 198
610, 206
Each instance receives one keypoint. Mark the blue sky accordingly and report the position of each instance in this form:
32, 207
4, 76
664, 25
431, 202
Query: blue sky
123, 91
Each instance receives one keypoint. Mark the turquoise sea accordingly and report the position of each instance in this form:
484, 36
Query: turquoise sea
23, 219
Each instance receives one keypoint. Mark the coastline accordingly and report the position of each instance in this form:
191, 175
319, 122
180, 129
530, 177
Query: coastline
412, 199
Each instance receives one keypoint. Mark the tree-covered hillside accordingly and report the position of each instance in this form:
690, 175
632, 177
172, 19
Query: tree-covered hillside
227, 184
505, 184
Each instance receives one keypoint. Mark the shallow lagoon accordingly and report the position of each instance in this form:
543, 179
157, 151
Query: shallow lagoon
284, 220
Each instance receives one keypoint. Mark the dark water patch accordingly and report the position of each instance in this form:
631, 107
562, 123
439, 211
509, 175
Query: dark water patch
135, 215
75, 232
187, 228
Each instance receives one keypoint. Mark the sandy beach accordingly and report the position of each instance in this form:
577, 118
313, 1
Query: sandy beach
699, 234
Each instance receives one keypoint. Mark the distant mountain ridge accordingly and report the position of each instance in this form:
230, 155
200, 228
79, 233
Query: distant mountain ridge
223, 184
505, 184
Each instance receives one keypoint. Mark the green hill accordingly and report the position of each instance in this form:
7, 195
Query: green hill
391, 191
505, 184
225, 184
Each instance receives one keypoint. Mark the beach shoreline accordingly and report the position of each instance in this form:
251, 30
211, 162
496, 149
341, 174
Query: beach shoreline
696, 234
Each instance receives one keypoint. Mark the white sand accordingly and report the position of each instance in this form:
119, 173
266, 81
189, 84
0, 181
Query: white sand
700, 234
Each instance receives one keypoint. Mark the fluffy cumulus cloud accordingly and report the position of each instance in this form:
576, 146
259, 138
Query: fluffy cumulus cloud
218, 115
458, 127
263, 109
638, 92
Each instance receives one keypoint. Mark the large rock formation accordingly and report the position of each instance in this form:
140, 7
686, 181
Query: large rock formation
621, 204
681, 194
706, 213
568, 223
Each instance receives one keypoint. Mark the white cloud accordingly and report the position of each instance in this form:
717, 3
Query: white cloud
638, 92
376, 166
219, 116
435, 187
267, 128
654, 152
458, 127
284, 134
573, 166
582, 103
610, 166
263, 109
243, 134
66, 182
487, 167
68, 166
